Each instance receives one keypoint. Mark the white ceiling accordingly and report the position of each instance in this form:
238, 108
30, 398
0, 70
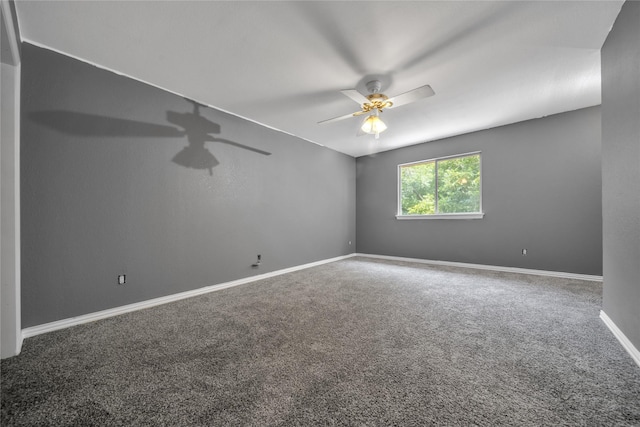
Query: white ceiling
283, 64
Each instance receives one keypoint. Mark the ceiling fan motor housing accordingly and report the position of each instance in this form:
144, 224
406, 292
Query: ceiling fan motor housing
374, 86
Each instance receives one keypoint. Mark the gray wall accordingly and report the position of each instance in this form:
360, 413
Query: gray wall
111, 185
621, 172
541, 192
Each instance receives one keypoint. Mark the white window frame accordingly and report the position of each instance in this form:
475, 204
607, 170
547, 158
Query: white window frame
462, 215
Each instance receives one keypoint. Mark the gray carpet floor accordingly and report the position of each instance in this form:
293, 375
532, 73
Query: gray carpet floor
355, 342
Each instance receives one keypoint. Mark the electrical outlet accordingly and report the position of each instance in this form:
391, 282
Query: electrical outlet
257, 264
524, 252
122, 279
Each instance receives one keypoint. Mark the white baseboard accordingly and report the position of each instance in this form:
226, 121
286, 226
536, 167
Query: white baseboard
559, 274
92, 317
631, 349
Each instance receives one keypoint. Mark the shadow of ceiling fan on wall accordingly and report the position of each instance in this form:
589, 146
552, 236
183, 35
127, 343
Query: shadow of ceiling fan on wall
374, 103
198, 130
193, 125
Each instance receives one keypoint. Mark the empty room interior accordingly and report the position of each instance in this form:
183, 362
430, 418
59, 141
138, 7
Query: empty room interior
320, 213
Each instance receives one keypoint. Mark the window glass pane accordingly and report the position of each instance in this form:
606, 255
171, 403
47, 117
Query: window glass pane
459, 185
418, 187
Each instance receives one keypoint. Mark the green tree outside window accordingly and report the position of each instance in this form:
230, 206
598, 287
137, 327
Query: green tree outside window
441, 186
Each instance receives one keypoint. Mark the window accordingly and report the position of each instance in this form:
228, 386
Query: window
446, 187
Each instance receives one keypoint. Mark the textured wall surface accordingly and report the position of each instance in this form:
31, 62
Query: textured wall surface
120, 177
541, 185
621, 172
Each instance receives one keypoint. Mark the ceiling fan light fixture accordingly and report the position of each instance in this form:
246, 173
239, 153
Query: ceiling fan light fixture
373, 125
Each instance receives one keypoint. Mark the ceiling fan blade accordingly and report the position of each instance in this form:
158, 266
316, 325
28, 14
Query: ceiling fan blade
411, 96
346, 116
355, 95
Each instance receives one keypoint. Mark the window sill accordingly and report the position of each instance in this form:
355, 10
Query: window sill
470, 215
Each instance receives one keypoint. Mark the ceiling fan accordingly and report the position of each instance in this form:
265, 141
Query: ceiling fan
374, 103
